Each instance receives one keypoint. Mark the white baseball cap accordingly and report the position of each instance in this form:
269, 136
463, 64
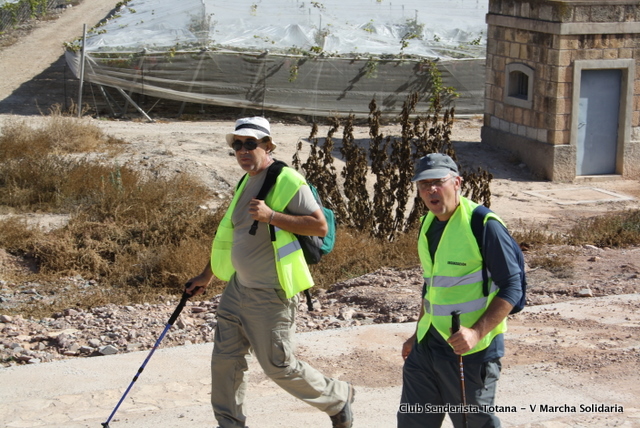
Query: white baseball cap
257, 127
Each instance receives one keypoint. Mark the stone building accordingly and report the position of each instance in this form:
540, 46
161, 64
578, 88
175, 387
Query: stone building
562, 86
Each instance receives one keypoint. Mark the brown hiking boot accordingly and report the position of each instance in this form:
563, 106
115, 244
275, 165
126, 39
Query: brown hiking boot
344, 418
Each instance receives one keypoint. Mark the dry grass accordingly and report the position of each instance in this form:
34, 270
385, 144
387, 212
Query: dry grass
135, 234
560, 263
140, 237
612, 230
357, 253
529, 236
621, 230
59, 134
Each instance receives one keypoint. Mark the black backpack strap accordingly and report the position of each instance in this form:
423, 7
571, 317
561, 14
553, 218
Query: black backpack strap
477, 227
240, 182
272, 175
309, 302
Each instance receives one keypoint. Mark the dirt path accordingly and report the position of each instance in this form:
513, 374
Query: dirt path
34, 74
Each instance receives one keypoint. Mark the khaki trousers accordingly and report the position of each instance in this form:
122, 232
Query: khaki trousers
262, 322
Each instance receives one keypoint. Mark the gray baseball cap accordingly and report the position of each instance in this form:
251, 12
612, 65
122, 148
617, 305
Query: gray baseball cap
434, 166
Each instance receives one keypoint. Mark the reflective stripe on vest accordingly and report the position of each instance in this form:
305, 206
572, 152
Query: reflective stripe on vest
467, 307
292, 269
454, 277
287, 249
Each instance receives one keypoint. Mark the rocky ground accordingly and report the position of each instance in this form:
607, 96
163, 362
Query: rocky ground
384, 296
113, 329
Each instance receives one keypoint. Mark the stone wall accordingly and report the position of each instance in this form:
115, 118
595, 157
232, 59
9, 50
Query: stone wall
549, 37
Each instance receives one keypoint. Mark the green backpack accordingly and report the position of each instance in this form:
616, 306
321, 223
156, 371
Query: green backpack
313, 247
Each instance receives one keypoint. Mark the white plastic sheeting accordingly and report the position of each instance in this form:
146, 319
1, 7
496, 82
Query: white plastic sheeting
290, 55
429, 28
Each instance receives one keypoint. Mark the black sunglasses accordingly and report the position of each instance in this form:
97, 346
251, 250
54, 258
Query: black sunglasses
248, 145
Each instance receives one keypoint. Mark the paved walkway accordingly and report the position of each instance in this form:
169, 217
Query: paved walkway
173, 390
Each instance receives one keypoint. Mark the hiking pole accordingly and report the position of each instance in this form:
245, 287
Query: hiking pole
172, 320
455, 327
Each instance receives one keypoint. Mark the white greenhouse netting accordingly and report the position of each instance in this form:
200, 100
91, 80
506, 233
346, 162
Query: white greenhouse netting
15, 12
294, 56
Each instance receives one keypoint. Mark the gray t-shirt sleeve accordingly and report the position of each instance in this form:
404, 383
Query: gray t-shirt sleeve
303, 203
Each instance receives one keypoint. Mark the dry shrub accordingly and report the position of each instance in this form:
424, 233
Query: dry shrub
611, 230
59, 134
33, 183
37, 172
135, 233
615, 229
559, 262
356, 253
394, 207
528, 236
15, 230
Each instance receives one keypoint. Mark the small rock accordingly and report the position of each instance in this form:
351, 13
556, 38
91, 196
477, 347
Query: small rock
347, 313
108, 350
6, 319
133, 347
585, 292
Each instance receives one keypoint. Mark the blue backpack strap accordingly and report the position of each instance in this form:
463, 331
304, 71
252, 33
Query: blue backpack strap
477, 227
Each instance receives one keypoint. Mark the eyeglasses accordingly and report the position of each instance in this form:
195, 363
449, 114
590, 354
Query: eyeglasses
247, 145
426, 185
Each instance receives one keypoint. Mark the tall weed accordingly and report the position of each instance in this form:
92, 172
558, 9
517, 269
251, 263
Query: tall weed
394, 207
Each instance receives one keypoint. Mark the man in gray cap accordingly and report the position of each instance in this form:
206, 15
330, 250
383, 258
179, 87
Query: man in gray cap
258, 306
452, 267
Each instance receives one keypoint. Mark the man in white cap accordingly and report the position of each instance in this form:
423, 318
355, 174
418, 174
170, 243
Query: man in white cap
258, 306
452, 267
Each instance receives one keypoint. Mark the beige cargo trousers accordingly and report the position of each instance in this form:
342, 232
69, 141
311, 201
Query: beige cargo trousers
262, 322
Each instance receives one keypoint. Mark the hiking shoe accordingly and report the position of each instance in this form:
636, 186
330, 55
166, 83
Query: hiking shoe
344, 418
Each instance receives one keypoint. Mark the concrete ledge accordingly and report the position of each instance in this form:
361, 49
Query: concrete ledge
563, 28
538, 156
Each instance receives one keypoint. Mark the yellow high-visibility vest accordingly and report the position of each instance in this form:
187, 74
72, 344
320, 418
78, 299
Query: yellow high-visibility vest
292, 269
454, 277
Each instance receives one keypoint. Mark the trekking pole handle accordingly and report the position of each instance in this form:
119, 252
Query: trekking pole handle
455, 321
183, 301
